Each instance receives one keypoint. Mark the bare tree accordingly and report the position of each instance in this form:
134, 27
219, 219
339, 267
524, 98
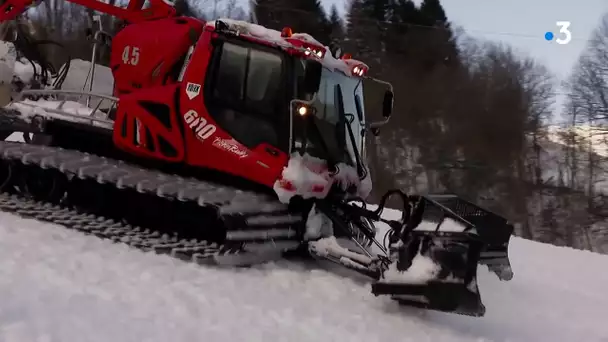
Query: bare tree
588, 83
587, 110
588, 93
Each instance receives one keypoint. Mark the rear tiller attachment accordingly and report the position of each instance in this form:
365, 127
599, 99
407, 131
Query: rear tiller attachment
433, 251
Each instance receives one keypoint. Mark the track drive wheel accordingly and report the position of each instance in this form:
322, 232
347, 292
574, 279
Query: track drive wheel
41, 184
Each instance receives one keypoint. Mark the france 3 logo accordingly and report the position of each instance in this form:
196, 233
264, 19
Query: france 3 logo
564, 37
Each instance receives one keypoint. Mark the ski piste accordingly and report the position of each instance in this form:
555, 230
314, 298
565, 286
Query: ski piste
122, 171
126, 182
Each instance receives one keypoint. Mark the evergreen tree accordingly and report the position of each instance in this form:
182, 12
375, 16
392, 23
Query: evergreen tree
433, 13
183, 8
336, 28
265, 14
366, 31
355, 28
422, 35
404, 19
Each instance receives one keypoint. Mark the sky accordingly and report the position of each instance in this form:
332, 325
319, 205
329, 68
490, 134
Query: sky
523, 24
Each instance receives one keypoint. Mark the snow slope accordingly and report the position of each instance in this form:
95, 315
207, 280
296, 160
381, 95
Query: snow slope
59, 285
597, 137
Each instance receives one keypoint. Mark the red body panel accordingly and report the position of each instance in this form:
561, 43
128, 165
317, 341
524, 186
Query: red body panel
161, 117
140, 78
139, 130
145, 54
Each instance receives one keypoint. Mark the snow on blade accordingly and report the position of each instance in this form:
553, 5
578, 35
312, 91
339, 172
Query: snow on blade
422, 270
451, 225
425, 225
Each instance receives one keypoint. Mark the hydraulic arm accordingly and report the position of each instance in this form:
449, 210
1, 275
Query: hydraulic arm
132, 13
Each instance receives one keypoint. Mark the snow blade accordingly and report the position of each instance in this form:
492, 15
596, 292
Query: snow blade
436, 272
493, 230
446, 297
435, 255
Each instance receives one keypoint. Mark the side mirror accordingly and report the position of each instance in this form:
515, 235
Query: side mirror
312, 76
387, 104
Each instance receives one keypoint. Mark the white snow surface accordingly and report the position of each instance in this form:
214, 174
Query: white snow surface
595, 136
57, 285
261, 32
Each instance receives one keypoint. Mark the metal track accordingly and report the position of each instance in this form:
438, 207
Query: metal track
255, 211
262, 228
200, 252
255, 225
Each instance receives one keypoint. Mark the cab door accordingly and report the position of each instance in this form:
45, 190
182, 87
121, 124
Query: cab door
235, 108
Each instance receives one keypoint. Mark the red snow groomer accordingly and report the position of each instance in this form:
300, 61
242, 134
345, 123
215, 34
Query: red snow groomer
228, 143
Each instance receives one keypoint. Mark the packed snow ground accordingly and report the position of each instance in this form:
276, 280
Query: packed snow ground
59, 285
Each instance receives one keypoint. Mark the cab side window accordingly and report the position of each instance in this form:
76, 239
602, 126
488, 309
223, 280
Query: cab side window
246, 96
325, 101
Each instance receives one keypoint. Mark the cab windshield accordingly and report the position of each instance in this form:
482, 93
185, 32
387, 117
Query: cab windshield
338, 101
